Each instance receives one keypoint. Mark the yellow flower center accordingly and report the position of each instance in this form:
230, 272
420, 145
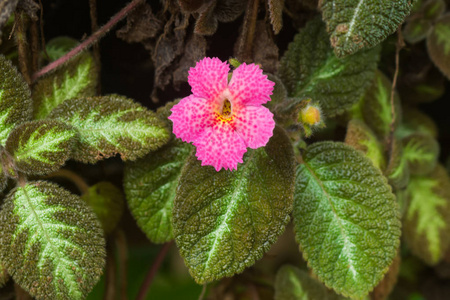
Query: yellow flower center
225, 113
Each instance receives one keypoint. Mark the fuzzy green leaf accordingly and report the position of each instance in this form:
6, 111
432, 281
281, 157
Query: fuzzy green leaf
415, 121
76, 79
346, 219
150, 186
15, 99
421, 152
111, 125
52, 244
40, 147
427, 219
309, 69
59, 46
225, 221
416, 30
438, 44
291, 283
357, 24
397, 170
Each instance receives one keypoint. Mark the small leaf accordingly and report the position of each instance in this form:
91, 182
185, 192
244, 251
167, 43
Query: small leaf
426, 224
421, 152
357, 24
15, 99
78, 78
225, 221
52, 244
111, 125
415, 121
276, 14
59, 46
150, 186
346, 219
397, 170
40, 147
292, 283
416, 30
309, 69
438, 44
107, 202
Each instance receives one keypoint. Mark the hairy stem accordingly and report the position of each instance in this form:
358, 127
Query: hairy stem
122, 251
94, 28
22, 47
81, 184
34, 31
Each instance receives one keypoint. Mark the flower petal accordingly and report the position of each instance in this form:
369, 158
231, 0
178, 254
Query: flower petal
250, 86
255, 125
190, 117
209, 78
221, 147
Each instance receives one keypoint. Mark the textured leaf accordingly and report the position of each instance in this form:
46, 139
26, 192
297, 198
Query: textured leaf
382, 290
292, 283
276, 14
438, 44
346, 218
52, 244
426, 224
150, 186
357, 24
76, 79
40, 147
107, 202
111, 125
309, 69
225, 221
397, 170
15, 99
4, 276
421, 152
415, 121
59, 46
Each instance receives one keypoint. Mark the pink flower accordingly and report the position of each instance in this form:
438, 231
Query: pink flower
223, 118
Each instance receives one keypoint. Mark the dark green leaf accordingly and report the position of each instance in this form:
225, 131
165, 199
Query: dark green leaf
15, 99
438, 44
433, 9
40, 147
397, 170
357, 24
385, 287
415, 121
225, 221
309, 69
52, 244
346, 218
59, 46
416, 30
421, 152
111, 125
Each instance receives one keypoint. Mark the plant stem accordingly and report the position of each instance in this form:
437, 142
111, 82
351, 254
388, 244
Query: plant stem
110, 285
22, 49
122, 251
90, 40
202, 294
94, 28
152, 272
75, 178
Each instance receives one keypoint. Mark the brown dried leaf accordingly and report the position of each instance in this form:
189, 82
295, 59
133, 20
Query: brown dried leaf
30, 8
229, 10
194, 50
276, 14
190, 5
207, 23
6, 9
265, 51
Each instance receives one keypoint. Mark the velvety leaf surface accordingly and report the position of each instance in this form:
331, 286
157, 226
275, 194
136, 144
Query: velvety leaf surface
150, 186
438, 44
427, 219
346, 219
52, 244
111, 125
225, 221
40, 147
78, 78
291, 283
15, 99
309, 69
358, 24
421, 152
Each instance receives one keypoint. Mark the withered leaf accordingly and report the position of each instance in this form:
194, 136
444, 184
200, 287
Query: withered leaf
276, 14
265, 51
6, 9
207, 23
194, 50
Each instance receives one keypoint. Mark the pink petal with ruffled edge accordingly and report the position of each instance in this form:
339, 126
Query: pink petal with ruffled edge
255, 125
190, 117
250, 86
209, 78
221, 147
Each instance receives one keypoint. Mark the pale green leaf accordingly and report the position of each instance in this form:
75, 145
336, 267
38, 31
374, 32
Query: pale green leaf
225, 221
427, 219
438, 44
421, 151
76, 79
357, 24
150, 186
309, 69
111, 125
59, 46
346, 219
52, 244
40, 147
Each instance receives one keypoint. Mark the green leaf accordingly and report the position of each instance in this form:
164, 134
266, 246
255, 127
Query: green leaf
111, 125
433, 9
415, 121
52, 244
397, 170
59, 46
76, 79
40, 147
150, 186
225, 221
438, 44
15, 99
346, 219
357, 24
426, 224
292, 283
421, 152
107, 202
309, 69
416, 30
